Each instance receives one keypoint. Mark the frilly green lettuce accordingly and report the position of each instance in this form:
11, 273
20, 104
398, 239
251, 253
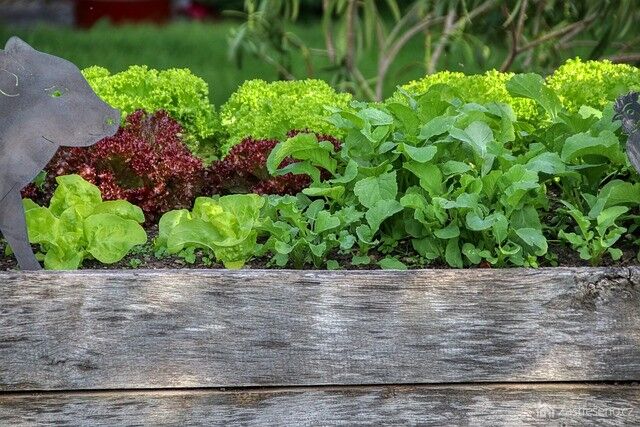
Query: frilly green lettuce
270, 110
184, 96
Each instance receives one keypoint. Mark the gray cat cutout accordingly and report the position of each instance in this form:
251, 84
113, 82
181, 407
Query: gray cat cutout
627, 108
45, 103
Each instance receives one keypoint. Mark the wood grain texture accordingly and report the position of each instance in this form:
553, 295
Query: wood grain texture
174, 329
490, 405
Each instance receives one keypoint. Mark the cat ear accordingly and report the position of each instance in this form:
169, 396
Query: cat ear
12, 66
9, 80
17, 45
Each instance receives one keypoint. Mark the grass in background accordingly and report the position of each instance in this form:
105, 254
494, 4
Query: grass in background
203, 49
199, 47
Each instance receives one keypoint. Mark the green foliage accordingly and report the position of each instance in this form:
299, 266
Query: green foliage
184, 96
439, 174
576, 84
453, 34
443, 173
300, 231
598, 229
585, 154
269, 110
479, 88
78, 225
598, 232
225, 226
468, 183
592, 83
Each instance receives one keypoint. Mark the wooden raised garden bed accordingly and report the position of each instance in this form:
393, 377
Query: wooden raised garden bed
444, 347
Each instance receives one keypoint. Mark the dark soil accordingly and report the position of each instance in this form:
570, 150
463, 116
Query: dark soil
144, 257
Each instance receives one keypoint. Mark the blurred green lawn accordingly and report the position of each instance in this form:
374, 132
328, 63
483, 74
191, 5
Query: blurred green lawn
203, 49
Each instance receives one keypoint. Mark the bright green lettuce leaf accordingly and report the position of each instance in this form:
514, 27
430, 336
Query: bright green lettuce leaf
121, 208
78, 225
73, 191
226, 226
60, 259
42, 225
110, 237
168, 222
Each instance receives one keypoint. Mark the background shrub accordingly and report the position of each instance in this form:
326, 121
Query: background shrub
264, 110
184, 96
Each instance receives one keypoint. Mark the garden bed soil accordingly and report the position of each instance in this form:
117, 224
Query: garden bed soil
143, 257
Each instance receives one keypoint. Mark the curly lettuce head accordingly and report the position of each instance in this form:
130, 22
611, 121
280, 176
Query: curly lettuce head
269, 110
592, 83
183, 95
479, 88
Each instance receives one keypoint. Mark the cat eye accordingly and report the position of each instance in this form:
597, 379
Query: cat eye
56, 91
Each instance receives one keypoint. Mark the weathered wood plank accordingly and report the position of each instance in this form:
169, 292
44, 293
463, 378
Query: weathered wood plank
162, 329
490, 405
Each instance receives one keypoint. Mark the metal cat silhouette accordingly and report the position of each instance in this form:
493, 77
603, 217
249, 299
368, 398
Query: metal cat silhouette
45, 103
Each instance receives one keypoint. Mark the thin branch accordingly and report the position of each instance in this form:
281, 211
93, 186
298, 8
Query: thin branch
624, 58
521, 19
400, 25
350, 59
380, 36
444, 39
387, 58
392, 50
364, 84
453, 28
282, 71
560, 32
516, 35
536, 27
570, 36
328, 32
305, 51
